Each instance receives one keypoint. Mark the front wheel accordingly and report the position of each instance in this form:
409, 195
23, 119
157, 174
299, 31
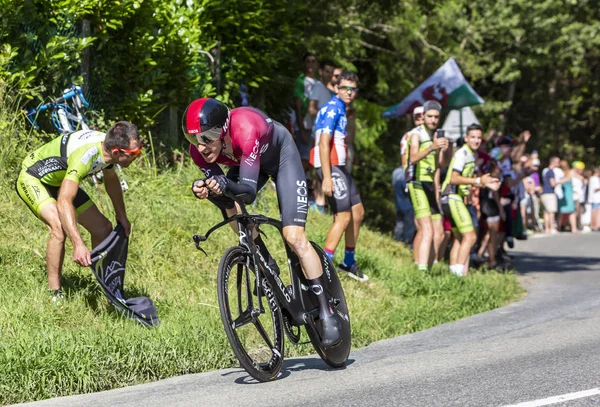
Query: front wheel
335, 356
255, 331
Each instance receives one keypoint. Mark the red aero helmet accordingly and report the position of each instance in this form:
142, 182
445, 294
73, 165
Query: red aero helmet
203, 120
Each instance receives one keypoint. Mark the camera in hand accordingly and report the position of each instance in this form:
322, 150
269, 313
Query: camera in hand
441, 133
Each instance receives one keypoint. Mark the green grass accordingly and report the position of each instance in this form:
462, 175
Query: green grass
83, 345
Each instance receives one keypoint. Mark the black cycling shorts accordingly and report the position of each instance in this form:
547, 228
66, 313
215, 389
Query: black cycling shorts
290, 180
345, 193
489, 207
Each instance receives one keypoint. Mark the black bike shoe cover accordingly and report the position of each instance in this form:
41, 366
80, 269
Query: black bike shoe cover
331, 334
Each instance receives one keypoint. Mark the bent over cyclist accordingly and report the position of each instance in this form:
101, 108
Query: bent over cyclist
256, 148
49, 183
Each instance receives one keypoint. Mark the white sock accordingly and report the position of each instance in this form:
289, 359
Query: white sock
459, 269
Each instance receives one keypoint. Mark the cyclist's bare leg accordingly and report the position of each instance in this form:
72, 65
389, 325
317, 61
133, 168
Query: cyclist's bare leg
341, 221
95, 223
417, 243
438, 236
351, 233
425, 227
295, 236
455, 249
493, 242
444, 245
55, 248
467, 241
484, 244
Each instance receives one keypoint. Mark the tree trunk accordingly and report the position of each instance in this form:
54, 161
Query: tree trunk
86, 32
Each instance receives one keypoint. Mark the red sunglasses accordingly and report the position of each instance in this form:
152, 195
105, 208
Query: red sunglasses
133, 153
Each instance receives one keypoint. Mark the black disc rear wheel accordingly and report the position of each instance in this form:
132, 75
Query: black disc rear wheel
254, 332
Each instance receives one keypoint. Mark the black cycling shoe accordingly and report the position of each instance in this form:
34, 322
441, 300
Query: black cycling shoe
330, 331
510, 241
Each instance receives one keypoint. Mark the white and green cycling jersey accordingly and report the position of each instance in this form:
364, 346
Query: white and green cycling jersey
424, 169
463, 162
72, 156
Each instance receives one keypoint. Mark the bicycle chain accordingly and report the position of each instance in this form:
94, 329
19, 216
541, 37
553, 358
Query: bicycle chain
287, 326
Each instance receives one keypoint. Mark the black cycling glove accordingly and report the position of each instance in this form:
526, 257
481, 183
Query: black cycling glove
222, 181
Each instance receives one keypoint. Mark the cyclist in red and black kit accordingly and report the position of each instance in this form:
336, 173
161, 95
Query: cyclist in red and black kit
256, 148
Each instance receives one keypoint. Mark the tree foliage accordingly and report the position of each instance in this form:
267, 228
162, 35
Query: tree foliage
535, 64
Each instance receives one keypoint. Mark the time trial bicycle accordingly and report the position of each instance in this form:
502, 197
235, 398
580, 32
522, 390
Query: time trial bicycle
255, 320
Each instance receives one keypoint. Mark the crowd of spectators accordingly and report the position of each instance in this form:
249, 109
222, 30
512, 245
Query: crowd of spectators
563, 197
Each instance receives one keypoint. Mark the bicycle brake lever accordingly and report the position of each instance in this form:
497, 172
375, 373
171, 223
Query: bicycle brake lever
197, 240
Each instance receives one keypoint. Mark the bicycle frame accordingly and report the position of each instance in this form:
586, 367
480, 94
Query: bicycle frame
291, 301
62, 117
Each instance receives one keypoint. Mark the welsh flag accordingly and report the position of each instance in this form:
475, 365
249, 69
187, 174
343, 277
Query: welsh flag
447, 85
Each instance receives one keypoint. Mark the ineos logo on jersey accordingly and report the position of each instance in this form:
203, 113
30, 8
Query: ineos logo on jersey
254, 154
301, 197
340, 190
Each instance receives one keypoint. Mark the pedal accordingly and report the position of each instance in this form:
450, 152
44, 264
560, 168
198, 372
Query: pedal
310, 316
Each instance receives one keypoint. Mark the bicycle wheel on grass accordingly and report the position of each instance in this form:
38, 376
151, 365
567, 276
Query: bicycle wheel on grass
335, 356
256, 336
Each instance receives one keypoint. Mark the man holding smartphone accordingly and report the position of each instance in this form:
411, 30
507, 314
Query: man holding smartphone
424, 160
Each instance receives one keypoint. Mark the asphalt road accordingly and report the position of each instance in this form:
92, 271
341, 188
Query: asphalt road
544, 346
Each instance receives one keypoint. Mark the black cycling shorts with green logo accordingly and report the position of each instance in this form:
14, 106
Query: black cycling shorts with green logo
423, 198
